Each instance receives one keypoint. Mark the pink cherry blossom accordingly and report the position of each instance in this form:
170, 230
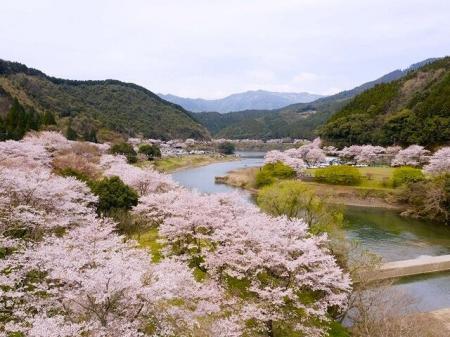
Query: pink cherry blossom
414, 155
439, 162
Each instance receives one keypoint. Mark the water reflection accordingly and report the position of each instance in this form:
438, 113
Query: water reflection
394, 237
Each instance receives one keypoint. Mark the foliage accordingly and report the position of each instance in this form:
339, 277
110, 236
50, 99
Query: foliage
19, 120
125, 149
113, 194
406, 175
411, 110
226, 148
150, 151
295, 199
70, 172
429, 198
71, 134
338, 175
270, 172
121, 107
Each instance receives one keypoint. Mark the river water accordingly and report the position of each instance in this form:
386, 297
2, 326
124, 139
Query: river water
378, 230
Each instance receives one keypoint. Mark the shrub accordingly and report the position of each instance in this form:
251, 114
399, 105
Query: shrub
126, 150
428, 198
263, 178
295, 199
226, 148
70, 172
71, 134
113, 194
150, 151
76, 163
406, 175
269, 173
338, 175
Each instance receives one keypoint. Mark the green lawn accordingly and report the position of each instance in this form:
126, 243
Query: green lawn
373, 176
149, 240
170, 164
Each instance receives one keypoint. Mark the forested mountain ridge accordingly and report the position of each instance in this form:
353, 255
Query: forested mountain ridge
412, 110
249, 100
297, 120
125, 108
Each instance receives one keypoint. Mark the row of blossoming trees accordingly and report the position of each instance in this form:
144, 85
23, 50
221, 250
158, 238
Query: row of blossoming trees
313, 155
225, 268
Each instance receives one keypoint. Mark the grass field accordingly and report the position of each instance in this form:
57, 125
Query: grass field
170, 164
149, 240
373, 177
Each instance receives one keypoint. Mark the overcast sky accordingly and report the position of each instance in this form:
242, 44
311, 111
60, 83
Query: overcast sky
209, 48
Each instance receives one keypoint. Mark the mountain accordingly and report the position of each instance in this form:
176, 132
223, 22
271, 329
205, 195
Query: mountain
124, 108
412, 109
257, 100
299, 120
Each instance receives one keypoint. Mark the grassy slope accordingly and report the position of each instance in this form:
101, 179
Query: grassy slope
123, 107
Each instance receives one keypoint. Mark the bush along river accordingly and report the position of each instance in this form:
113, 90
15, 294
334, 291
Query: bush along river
378, 230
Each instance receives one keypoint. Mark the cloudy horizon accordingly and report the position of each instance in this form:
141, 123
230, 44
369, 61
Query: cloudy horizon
211, 49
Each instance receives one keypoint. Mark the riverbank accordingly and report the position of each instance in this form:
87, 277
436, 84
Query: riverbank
363, 196
174, 164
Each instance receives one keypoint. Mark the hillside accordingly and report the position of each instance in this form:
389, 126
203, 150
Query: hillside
297, 121
125, 108
249, 100
413, 109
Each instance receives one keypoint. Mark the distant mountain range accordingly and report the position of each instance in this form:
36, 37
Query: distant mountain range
299, 120
249, 100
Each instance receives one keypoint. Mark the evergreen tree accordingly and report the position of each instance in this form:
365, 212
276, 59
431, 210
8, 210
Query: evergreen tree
34, 120
71, 133
16, 121
90, 136
48, 118
2, 130
93, 136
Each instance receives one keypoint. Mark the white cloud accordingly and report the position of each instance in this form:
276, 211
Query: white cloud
214, 47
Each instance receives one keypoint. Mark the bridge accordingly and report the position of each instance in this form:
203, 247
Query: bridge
418, 266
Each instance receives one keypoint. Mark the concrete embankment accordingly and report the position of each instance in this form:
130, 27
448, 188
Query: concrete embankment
422, 265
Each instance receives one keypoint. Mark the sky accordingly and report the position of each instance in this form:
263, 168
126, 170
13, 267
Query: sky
210, 49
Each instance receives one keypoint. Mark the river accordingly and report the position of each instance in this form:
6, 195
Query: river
381, 231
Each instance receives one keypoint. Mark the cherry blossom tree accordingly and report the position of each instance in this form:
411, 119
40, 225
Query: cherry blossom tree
66, 272
277, 156
144, 181
439, 162
349, 153
299, 158
414, 155
274, 259
370, 155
